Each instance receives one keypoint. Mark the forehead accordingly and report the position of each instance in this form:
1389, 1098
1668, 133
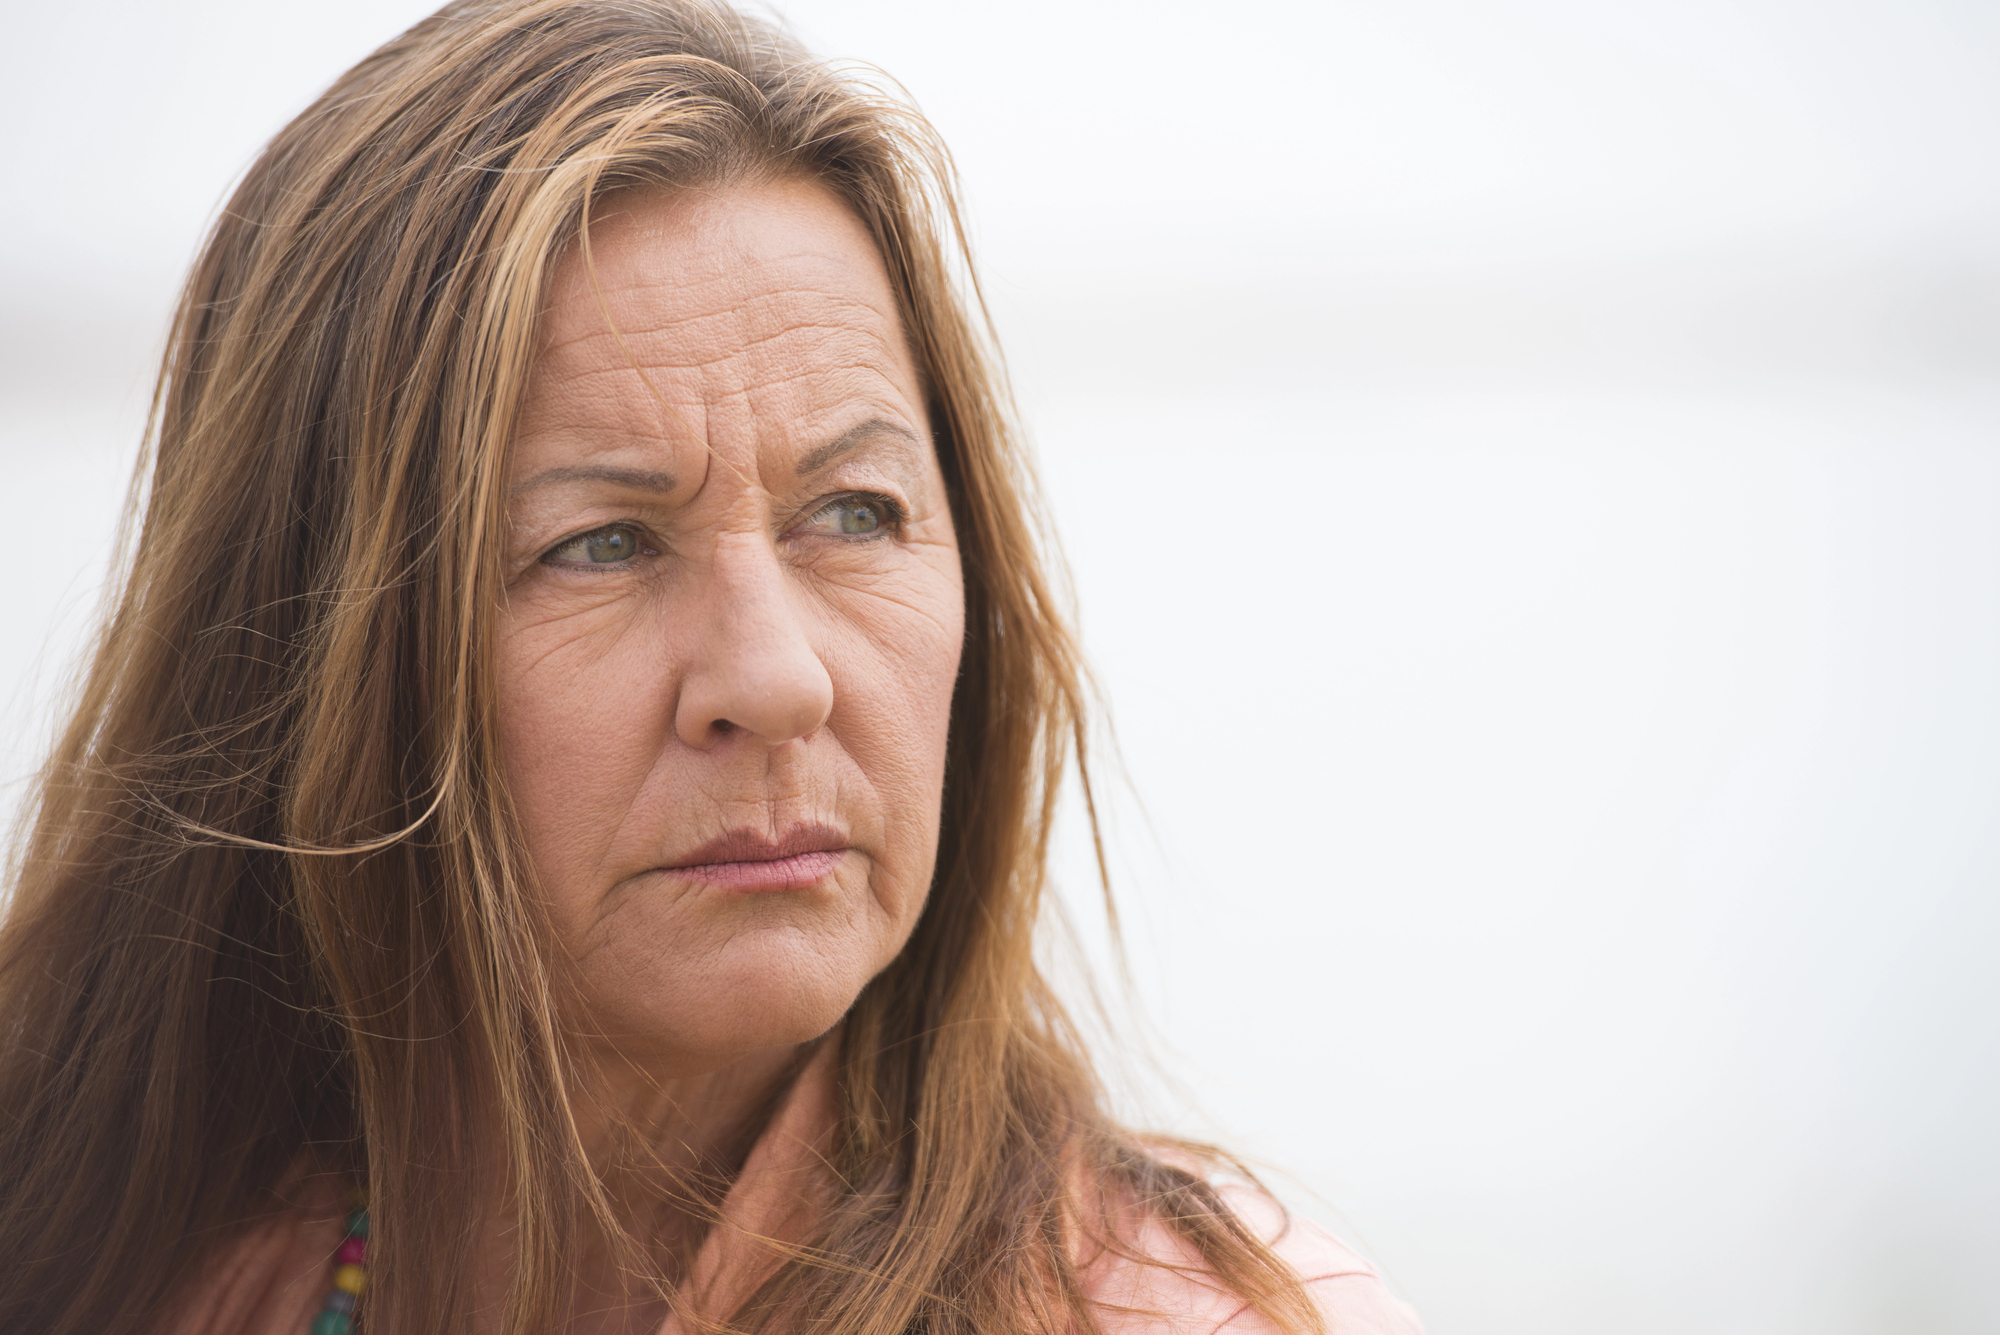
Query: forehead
759, 308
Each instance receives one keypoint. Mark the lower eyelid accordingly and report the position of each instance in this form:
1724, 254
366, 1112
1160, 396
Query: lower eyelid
558, 563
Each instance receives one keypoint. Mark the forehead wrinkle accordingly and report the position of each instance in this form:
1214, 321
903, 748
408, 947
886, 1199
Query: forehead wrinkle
655, 381
765, 362
583, 405
651, 359
751, 330
699, 268
611, 393
807, 403
614, 332
605, 400
622, 295
597, 438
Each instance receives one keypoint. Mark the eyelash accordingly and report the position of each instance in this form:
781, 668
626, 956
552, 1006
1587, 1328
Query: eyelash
893, 513
894, 516
646, 545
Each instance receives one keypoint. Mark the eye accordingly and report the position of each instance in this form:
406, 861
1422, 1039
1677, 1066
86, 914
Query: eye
855, 516
611, 545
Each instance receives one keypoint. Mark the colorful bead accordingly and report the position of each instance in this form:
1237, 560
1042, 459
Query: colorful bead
337, 1317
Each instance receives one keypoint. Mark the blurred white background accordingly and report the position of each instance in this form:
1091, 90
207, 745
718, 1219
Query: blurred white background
1531, 472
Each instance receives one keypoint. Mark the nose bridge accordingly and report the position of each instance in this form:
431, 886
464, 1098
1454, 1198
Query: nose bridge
753, 665
744, 565
751, 615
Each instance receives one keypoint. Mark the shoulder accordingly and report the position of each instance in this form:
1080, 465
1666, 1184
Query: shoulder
1170, 1292
271, 1277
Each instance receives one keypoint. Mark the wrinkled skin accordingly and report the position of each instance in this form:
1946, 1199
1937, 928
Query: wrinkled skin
733, 613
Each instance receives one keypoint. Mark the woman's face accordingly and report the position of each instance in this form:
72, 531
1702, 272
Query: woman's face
732, 623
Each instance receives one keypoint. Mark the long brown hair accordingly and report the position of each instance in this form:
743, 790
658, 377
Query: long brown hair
271, 908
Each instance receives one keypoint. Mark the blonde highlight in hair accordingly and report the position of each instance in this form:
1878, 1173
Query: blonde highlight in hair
272, 910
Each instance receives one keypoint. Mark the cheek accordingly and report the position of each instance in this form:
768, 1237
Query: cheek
582, 718
895, 712
895, 670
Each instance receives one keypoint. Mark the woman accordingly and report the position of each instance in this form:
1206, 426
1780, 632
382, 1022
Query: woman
573, 759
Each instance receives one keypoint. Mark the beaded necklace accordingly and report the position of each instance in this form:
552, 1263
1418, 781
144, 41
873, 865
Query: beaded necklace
350, 1275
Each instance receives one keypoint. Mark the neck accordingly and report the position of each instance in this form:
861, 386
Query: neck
666, 1148
635, 1120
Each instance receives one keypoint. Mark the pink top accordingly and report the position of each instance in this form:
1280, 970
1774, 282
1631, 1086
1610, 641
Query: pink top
275, 1279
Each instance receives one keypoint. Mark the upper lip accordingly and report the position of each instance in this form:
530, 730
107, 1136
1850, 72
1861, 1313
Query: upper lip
755, 846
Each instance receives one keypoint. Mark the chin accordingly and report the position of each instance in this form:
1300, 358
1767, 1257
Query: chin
701, 1017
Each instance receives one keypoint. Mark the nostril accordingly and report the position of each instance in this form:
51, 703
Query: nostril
722, 727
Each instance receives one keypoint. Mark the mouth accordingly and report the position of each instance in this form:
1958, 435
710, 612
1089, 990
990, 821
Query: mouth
747, 860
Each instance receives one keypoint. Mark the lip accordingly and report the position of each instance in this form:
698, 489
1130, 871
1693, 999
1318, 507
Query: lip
748, 860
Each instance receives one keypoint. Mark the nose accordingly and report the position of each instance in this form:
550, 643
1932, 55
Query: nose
751, 667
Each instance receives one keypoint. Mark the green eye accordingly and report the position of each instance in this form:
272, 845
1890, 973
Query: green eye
858, 517
855, 516
610, 545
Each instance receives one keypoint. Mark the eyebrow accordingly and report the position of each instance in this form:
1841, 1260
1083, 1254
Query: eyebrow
638, 479
851, 438
643, 479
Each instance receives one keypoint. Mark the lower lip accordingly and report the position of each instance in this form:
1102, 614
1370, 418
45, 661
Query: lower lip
800, 871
